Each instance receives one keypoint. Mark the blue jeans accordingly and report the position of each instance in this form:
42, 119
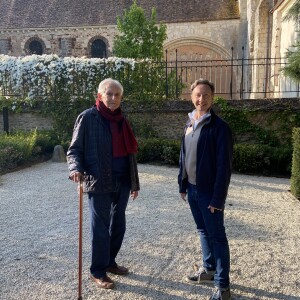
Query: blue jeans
108, 225
214, 243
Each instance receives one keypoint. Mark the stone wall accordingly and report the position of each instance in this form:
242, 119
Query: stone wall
64, 41
218, 36
168, 120
26, 121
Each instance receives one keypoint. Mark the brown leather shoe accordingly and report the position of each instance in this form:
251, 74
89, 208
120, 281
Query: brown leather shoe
118, 270
103, 282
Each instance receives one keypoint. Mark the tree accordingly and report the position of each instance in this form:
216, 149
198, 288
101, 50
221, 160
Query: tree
292, 69
139, 37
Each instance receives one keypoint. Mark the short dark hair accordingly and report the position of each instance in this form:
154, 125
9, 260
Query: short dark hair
203, 81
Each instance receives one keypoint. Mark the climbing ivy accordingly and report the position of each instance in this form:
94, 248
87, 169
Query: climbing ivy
273, 129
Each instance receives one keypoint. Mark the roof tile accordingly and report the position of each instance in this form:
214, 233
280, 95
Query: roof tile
57, 13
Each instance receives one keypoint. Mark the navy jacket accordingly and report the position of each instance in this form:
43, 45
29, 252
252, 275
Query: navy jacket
214, 161
90, 153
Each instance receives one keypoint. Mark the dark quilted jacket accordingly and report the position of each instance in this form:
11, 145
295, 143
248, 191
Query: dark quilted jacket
90, 153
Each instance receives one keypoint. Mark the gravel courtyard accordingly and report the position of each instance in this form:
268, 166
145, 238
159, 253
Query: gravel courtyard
39, 237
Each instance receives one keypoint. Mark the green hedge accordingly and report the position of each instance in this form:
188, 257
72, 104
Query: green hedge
158, 150
295, 178
20, 148
262, 159
247, 158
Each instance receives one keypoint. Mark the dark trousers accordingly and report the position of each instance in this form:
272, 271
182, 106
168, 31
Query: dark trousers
108, 225
214, 243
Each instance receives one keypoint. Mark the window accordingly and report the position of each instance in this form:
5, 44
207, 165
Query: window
66, 46
98, 49
5, 46
35, 47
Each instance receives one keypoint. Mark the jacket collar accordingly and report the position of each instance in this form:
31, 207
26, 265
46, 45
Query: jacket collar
95, 113
211, 119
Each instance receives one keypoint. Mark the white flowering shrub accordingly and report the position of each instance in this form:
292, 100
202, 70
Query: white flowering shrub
49, 76
64, 86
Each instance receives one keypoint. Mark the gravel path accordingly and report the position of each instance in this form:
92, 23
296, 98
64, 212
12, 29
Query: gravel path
38, 239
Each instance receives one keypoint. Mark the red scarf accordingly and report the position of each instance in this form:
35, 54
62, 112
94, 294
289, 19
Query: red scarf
123, 140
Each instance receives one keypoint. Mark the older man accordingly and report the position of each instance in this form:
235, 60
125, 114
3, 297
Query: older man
103, 152
205, 171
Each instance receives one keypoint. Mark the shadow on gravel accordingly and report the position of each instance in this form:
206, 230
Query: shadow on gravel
258, 293
159, 288
257, 183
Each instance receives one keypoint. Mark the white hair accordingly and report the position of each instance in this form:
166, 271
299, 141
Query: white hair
109, 81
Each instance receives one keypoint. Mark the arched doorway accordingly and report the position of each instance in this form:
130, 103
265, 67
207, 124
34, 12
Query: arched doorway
98, 48
201, 58
35, 46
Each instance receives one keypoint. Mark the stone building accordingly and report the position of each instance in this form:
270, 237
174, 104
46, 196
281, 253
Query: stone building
87, 28
197, 29
269, 38
284, 37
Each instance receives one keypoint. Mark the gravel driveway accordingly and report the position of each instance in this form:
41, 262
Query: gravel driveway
39, 229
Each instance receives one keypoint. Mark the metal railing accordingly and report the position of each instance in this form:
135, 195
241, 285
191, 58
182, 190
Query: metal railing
236, 78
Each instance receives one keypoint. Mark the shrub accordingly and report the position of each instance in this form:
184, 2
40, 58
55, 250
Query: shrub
142, 127
149, 150
10, 158
170, 153
262, 159
295, 178
158, 150
63, 87
20, 147
280, 160
15, 149
47, 139
248, 158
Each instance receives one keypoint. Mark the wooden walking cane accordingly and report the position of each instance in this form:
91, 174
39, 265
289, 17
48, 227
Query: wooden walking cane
80, 240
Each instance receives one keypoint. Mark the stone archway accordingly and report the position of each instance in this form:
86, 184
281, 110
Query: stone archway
201, 58
195, 49
98, 47
35, 45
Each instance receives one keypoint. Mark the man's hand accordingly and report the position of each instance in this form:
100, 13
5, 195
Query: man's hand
212, 209
183, 196
76, 176
134, 195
